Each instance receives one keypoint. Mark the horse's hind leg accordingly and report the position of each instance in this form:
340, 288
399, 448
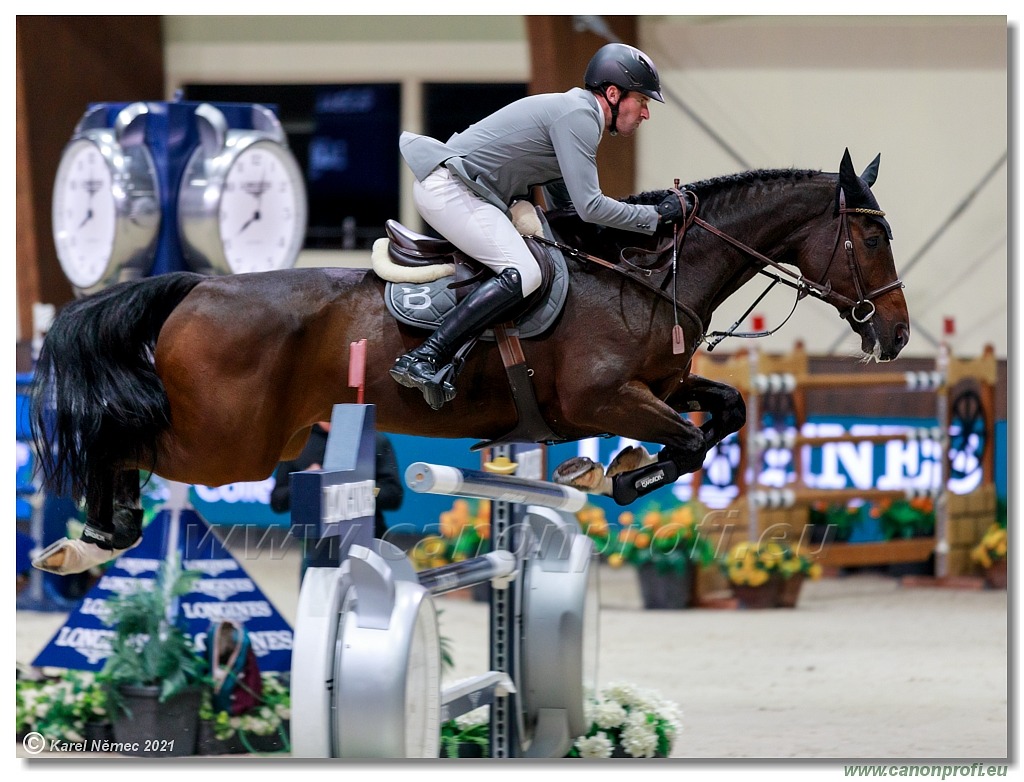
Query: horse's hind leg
113, 525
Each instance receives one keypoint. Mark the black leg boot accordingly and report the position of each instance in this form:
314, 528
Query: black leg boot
492, 302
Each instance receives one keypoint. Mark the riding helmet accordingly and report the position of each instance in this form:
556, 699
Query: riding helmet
626, 67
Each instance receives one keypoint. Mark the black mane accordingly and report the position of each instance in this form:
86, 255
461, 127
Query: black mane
709, 187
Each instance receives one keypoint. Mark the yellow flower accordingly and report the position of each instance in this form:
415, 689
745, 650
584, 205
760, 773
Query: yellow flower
615, 560
449, 524
682, 515
991, 547
651, 519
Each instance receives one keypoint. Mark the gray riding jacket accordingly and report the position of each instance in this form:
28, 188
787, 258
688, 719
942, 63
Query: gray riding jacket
548, 140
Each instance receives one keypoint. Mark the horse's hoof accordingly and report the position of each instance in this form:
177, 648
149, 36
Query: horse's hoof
65, 556
631, 458
583, 474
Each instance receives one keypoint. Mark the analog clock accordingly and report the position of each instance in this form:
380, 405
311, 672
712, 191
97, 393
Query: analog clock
106, 202
242, 200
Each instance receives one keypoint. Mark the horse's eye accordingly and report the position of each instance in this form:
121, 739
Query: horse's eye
871, 242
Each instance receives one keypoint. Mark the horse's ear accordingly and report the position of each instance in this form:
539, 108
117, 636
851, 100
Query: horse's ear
847, 179
846, 172
871, 172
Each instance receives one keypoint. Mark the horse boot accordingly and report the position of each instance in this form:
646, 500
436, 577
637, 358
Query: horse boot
425, 367
96, 547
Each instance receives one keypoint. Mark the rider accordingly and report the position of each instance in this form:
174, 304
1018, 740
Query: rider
464, 189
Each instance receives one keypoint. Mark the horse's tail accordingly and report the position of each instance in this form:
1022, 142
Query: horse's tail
96, 398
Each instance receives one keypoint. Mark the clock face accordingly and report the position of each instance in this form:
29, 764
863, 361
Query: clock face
84, 213
262, 215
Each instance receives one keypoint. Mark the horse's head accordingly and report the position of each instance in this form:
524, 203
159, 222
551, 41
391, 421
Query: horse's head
861, 272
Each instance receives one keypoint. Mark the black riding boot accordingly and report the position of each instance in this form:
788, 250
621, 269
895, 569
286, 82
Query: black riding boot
490, 303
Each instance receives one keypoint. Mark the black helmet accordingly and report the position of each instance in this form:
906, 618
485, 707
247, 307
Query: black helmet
626, 67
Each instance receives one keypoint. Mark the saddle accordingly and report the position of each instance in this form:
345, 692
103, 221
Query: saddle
428, 261
413, 250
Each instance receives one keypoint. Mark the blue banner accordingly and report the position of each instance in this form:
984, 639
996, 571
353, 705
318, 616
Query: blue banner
224, 591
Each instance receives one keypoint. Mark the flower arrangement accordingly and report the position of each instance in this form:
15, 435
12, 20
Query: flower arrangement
60, 707
752, 563
634, 720
901, 519
269, 719
464, 532
991, 548
670, 540
625, 721
838, 517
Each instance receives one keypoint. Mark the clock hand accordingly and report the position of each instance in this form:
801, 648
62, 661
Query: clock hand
250, 221
88, 217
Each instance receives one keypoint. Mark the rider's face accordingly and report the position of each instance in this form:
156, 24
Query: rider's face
632, 111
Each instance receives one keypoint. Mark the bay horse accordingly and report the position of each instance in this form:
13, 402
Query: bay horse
214, 380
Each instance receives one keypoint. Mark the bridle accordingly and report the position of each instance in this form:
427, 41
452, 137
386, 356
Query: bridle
848, 308
855, 266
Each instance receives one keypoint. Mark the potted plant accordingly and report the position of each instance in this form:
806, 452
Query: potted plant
666, 548
832, 522
153, 677
990, 555
901, 519
767, 574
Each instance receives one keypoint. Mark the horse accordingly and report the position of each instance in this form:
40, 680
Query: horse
213, 380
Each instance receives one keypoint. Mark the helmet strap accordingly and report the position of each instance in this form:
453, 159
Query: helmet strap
612, 129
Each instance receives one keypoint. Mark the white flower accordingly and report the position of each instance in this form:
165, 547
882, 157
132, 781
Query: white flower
477, 716
608, 714
639, 737
597, 746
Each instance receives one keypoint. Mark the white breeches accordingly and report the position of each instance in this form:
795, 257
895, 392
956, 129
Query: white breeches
476, 227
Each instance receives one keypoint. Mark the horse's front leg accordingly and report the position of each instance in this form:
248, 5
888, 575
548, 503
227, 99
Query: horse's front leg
634, 412
724, 403
113, 525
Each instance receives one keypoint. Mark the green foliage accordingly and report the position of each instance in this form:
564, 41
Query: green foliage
902, 519
150, 645
465, 731
59, 707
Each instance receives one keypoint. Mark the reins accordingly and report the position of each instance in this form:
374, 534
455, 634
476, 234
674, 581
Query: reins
822, 290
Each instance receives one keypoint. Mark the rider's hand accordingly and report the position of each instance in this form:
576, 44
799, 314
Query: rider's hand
670, 209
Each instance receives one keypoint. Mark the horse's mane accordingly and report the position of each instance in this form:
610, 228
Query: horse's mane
707, 188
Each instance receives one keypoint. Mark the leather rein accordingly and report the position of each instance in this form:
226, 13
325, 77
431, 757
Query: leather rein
822, 290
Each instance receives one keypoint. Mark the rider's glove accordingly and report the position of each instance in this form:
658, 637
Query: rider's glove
670, 209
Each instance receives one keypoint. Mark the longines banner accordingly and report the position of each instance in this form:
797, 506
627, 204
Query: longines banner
224, 591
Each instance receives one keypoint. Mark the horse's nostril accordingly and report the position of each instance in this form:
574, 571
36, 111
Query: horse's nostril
902, 334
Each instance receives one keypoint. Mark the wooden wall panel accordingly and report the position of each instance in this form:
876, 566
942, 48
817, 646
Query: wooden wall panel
558, 59
64, 63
